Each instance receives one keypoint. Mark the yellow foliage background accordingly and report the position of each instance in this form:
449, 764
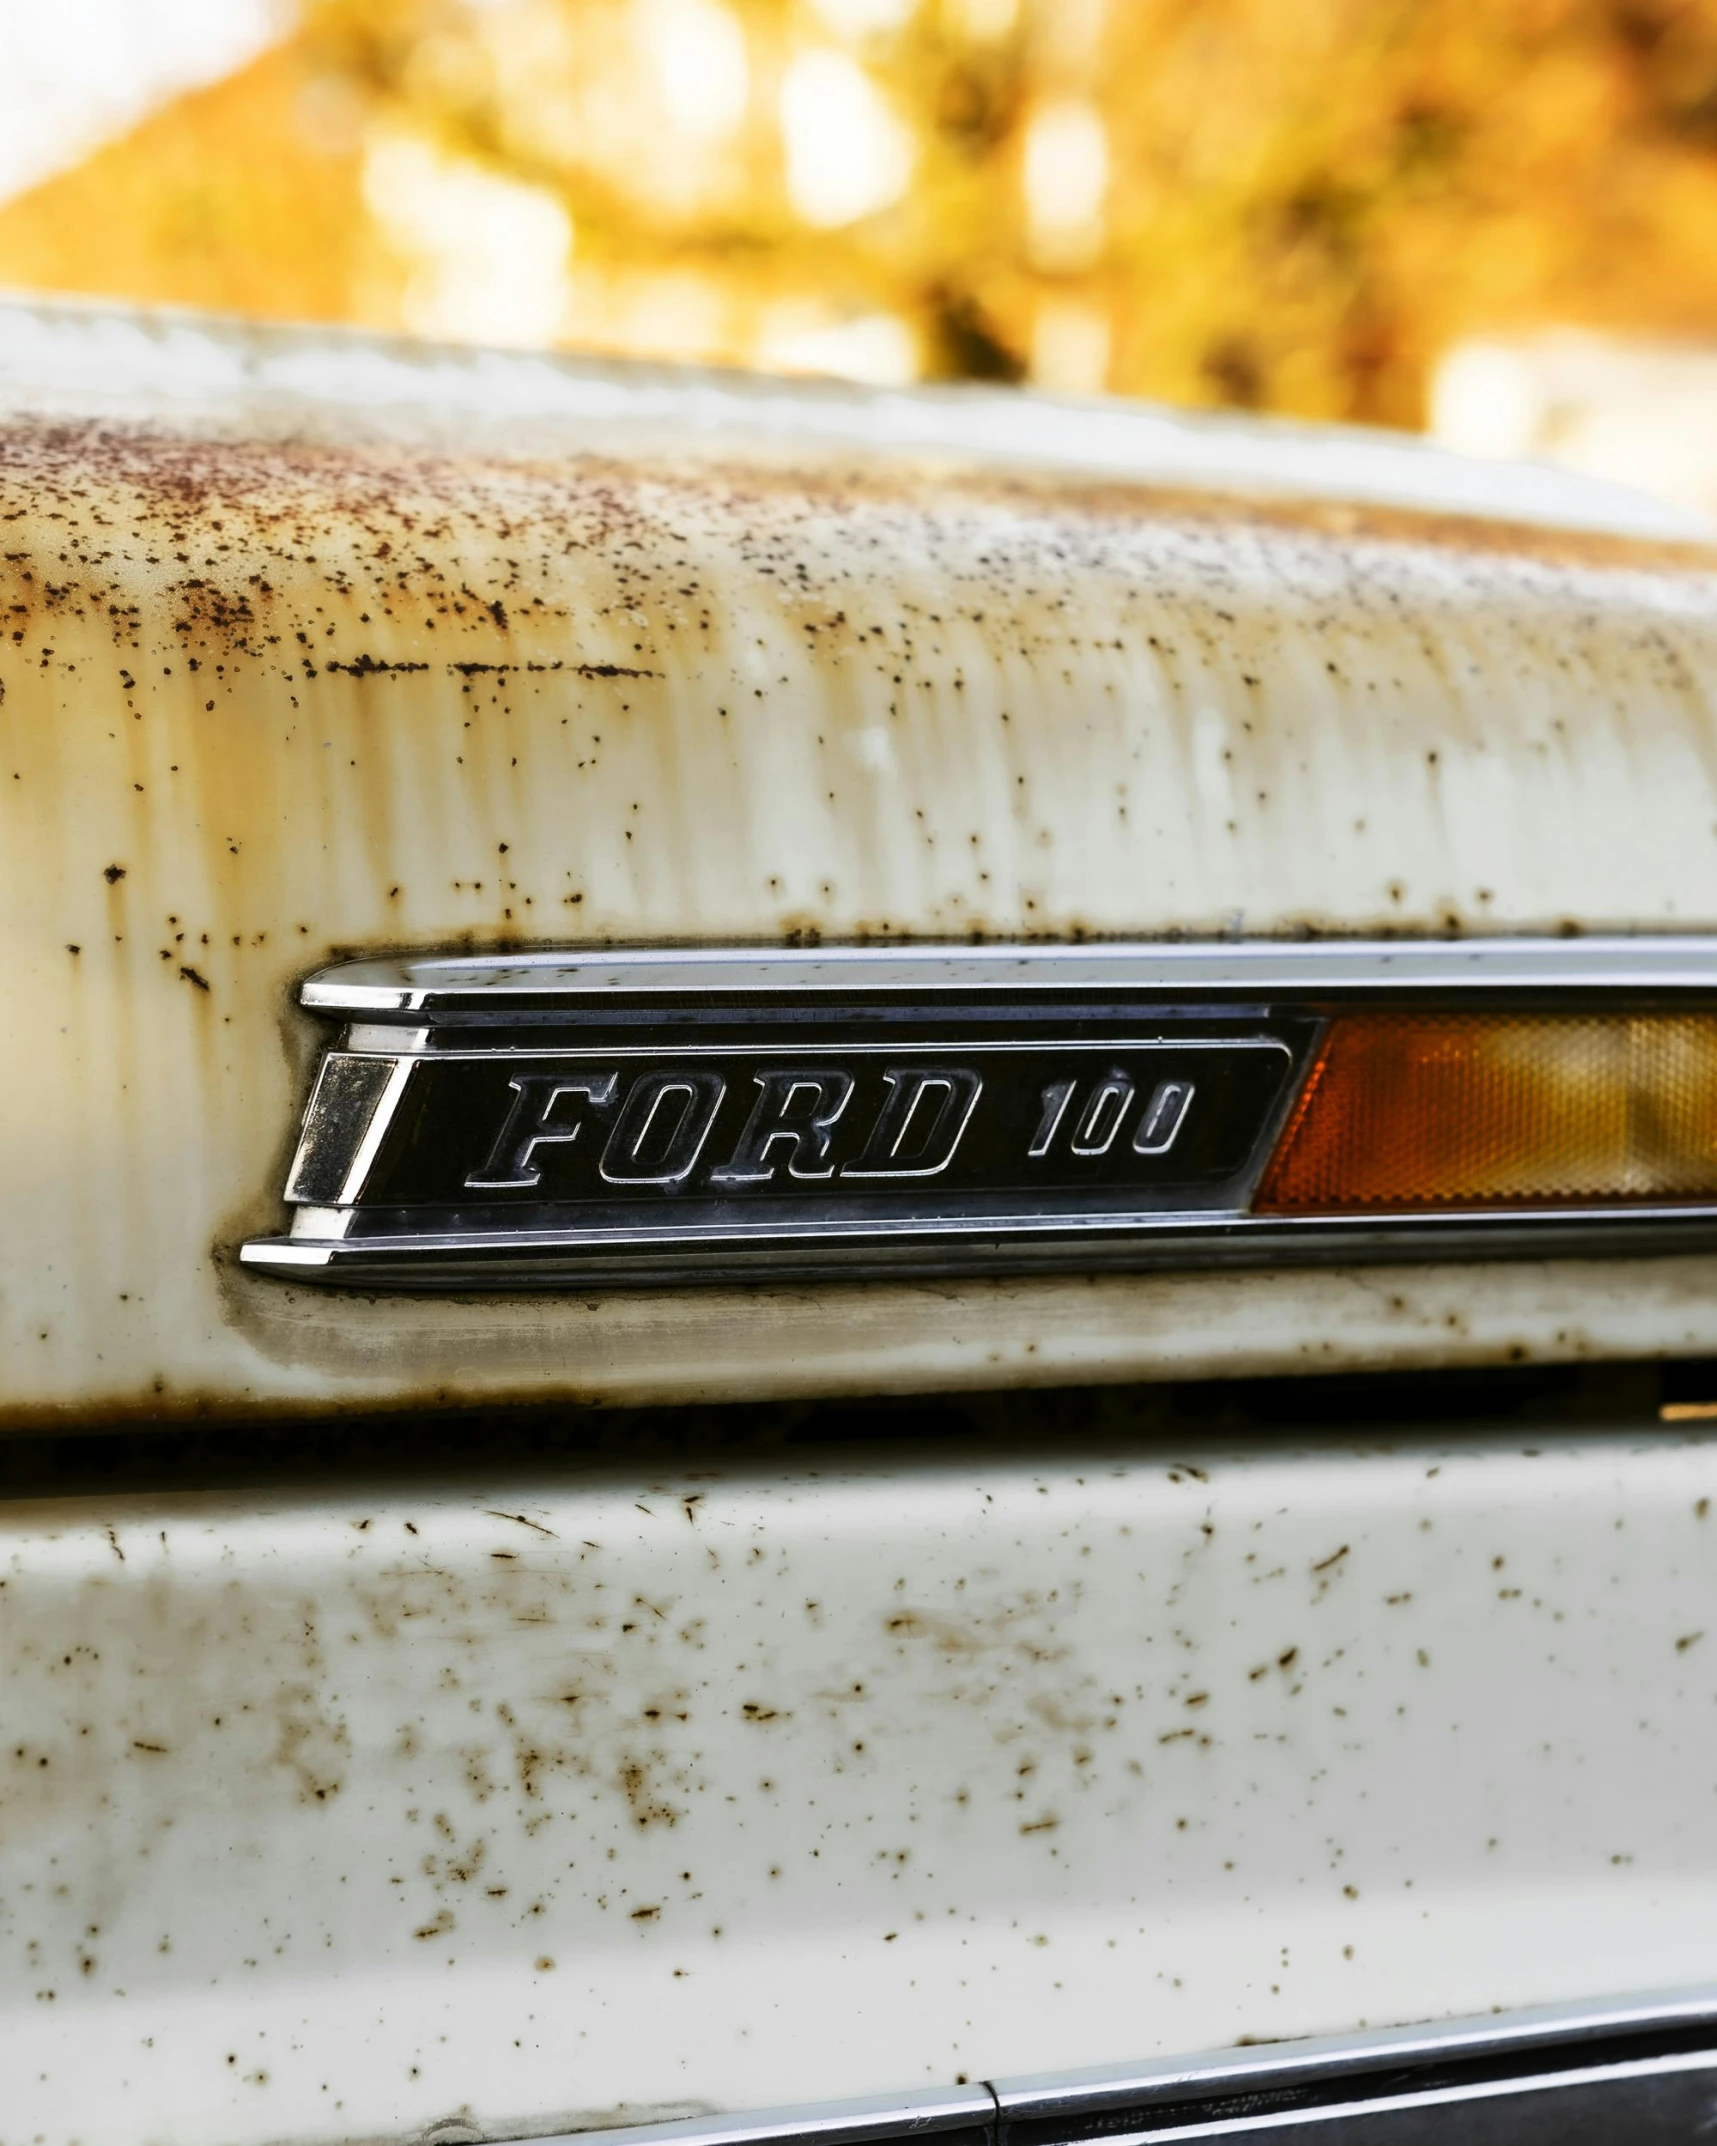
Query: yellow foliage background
1285, 204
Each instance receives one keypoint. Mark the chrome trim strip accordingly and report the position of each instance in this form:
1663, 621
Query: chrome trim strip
1381, 1233
524, 1053
286, 1255
383, 990
1387, 1229
1581, 2105
922, 1251
1588, 2069
1555, 2028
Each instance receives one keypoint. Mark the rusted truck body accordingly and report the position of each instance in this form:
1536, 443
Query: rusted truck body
413, 755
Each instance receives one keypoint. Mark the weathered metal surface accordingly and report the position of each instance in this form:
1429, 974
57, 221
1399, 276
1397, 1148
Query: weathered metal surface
592, 1795
292, 675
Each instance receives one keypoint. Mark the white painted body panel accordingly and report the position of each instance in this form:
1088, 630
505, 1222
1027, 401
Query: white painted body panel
581, 1793
592, 1793
314, 647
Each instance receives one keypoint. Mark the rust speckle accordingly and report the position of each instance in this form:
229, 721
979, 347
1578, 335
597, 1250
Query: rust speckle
368, 666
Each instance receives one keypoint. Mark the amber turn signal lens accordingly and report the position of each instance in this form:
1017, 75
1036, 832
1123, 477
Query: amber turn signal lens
1407, 1111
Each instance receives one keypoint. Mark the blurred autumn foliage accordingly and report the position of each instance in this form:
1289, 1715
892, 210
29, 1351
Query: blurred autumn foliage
1284, 204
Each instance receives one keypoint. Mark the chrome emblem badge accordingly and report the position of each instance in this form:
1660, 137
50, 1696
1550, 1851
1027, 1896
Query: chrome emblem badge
560, 1120
660, 1116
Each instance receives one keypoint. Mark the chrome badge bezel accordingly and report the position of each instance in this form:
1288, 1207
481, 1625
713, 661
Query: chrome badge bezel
672, 1115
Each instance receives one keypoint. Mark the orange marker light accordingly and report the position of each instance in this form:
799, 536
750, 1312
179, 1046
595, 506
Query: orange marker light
1407, 1112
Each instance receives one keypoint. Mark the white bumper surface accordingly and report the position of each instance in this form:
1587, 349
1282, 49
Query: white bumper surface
609, 1793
